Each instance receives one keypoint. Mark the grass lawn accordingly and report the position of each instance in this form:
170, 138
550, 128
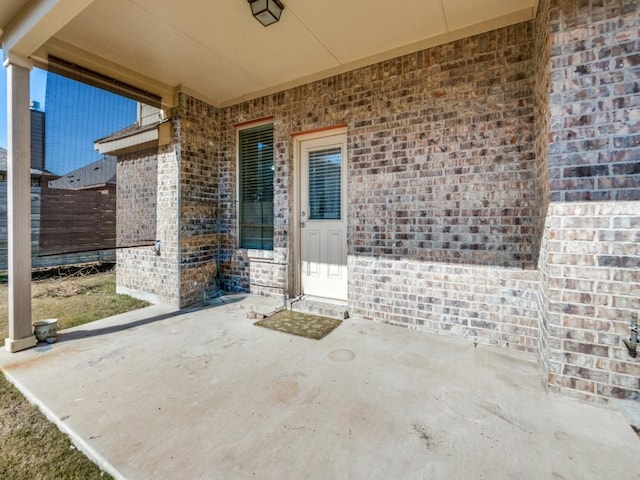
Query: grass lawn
72, 300
30, 446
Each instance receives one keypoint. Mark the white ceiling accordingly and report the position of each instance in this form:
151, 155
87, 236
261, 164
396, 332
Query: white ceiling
215, 49
8, 10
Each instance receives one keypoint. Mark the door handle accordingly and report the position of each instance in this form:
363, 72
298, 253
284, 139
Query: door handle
302, 224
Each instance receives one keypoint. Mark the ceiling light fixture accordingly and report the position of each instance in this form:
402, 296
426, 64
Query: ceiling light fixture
266, 11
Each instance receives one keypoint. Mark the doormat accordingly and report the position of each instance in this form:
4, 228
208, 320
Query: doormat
301, 324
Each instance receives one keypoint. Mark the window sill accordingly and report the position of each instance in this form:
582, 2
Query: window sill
255, 254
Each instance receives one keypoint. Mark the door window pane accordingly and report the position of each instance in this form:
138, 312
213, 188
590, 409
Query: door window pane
325, 184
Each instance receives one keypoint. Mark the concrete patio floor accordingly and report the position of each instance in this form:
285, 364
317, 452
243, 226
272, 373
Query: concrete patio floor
204, 394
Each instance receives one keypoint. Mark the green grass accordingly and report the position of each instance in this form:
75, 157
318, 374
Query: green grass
73, 301
32, 448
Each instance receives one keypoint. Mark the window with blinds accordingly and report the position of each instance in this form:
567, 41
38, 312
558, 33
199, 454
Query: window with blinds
325, 184
256, 187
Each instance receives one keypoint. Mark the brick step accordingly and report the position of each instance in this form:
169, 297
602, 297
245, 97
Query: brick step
324, 308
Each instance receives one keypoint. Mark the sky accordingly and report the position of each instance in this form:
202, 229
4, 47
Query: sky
76, 115
38, 86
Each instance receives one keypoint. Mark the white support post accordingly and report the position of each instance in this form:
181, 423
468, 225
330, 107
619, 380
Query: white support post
19, 203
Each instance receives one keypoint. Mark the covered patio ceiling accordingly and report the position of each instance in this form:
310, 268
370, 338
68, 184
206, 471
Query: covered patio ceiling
216, 51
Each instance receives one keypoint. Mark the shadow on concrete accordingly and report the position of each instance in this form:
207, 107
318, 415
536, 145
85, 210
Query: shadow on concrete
78, 334
94, 332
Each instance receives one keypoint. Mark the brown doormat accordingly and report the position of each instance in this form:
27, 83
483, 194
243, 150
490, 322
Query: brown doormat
301, 324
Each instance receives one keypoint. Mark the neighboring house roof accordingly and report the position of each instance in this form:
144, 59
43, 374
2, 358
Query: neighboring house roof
35, 172
99, 173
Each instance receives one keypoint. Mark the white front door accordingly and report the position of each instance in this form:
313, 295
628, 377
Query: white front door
323, 219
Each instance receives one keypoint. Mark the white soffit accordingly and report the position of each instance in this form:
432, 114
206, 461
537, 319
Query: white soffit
268, 55
352, 30
464, 13
217, 51
8, 10
124, 34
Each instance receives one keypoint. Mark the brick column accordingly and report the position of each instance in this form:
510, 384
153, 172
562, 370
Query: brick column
590, 253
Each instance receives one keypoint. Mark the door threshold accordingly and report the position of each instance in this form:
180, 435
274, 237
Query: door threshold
321, 306
313, 298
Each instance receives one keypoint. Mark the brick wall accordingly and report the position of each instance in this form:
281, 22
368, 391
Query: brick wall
593, 289
442, 162
441, 172
197, 126
444, 135
140, 272
482, 303
455, 196
542, 92
595, 101
137, 196
590, 255
184, 176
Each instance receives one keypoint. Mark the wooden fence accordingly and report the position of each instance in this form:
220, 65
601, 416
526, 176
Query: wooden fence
74, 221
69, 257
